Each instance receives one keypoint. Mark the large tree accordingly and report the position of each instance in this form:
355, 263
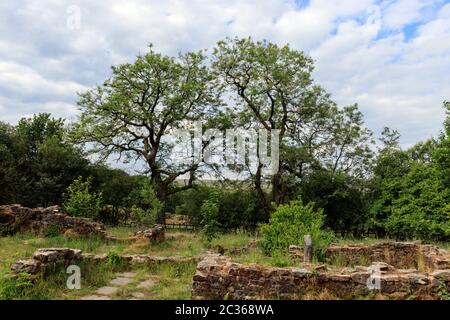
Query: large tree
269, 83
273, 89
134, 111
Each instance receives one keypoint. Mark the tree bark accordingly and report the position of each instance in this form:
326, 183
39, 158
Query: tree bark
277, 188
258, 187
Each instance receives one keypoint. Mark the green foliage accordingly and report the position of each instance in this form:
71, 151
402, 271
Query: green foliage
419, 210
116, 187
37, 163
342, 198
210, 214
145, 204
443, 293
132, 113
411, 190
38, 129
189, 202
441, 154
239, 206
113, 259
14, 287
80, 201
326, 153
274, 89
290, 223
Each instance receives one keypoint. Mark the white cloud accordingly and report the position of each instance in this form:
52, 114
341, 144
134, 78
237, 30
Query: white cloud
403, 12
363, 53
12, 109
21, 79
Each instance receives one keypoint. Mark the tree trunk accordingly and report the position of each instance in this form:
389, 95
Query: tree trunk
161, 219
162, 194
276, 188
260, 191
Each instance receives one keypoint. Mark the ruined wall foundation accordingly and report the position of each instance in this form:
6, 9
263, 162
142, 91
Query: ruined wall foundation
41, 221
410, 270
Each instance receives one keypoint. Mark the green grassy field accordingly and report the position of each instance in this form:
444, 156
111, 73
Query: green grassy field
172, 281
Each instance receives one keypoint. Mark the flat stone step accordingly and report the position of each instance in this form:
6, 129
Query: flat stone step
120, 281
107, 291
147, 284
96, 297
138, 295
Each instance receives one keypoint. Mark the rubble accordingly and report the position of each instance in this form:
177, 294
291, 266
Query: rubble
42, 221
154, 235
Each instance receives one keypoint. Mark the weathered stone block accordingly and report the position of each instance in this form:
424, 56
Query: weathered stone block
154, 235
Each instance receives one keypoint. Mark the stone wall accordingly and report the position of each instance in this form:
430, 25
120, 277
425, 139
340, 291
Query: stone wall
45, 260
397, 254
41, 221
387, 272
401, 255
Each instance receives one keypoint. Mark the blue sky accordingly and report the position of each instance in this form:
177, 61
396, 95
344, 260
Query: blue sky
391, 57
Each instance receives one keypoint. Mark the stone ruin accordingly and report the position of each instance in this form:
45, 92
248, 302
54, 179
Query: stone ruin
45, 260
154, 235
393, 270
42, 221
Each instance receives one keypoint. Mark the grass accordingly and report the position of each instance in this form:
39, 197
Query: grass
188, 244
257, 256
122, 232
172, 281
231, 240
366, 241
176, 244
54, 285
371, 240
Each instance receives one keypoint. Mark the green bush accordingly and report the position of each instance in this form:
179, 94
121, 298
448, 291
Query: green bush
210, 215
289, 224
80, 201
113, 259
419, 208
239, 206
145, 204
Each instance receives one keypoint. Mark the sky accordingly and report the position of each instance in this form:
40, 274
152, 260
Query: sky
390, 57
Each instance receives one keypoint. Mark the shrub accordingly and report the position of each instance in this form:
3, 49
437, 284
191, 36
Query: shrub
289, 224
419, 209
146, 205
239, 207
113, 259
80, 202
210, 215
